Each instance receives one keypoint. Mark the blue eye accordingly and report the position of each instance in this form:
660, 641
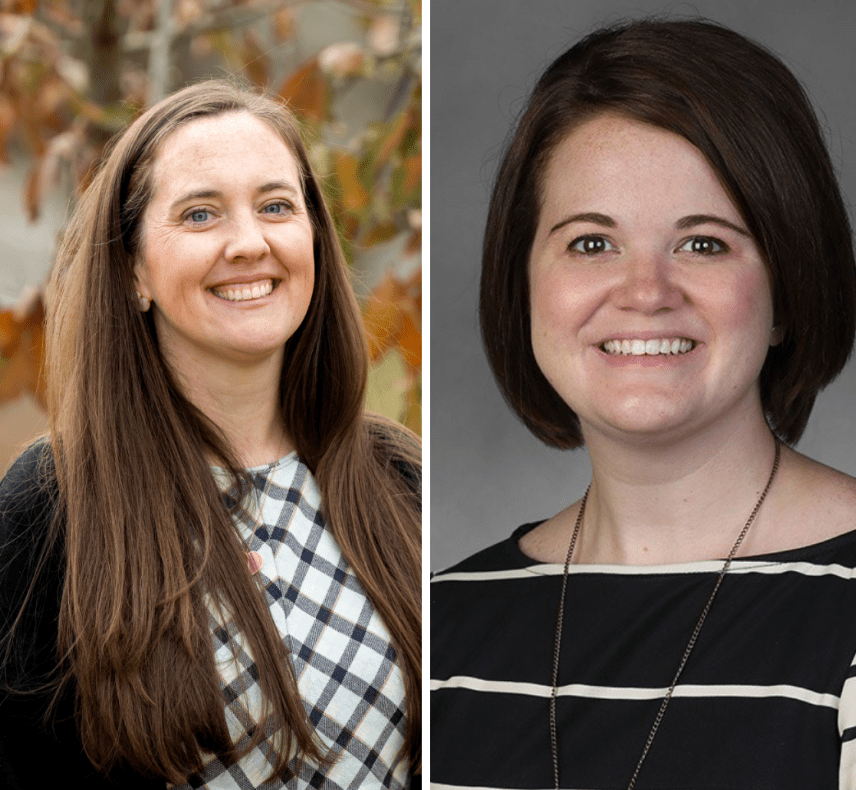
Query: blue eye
704, 245
200, 215
277, 208
590, 245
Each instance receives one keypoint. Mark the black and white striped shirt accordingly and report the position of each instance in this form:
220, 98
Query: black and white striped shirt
766, 701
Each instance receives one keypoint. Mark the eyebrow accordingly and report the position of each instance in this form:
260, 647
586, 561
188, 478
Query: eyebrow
690, 221
590, 216
271, 186
704, 219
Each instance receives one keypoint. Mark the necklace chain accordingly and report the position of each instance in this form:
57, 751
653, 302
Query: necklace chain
554, 736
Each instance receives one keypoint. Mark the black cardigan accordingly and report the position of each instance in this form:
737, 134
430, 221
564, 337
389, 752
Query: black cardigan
33, 756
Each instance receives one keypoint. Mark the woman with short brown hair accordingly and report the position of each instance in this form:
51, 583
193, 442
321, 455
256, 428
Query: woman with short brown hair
668, 279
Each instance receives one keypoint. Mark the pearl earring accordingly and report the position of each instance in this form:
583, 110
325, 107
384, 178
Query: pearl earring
145, 302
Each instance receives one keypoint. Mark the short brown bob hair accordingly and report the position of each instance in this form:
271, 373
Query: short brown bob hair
744, 110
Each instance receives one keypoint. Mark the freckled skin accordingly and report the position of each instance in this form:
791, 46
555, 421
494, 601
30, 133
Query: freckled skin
227, 205
643, 273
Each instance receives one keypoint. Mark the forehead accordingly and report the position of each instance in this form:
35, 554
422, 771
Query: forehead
229, 149
627, 162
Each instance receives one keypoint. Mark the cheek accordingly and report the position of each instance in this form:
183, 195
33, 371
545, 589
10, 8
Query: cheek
553, 314
559, 304
751, 304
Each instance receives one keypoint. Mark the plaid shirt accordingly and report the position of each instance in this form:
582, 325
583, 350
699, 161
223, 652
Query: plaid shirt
351, 685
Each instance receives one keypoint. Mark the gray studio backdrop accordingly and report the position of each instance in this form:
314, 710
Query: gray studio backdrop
488, 474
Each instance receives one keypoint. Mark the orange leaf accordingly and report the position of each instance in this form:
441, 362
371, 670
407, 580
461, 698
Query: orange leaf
393, 140
306, 91
413, 166
354, 195
410, 340
16, 373
414, 245
255, 60
10, 334
383, 317
23, 372
33, 191
380, 233
37, 345
23, 344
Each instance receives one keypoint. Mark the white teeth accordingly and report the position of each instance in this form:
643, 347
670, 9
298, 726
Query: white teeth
638, 348
243, 293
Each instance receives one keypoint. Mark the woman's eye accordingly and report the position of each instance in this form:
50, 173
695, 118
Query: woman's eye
199, 215
277, 208
590, 245
704, 245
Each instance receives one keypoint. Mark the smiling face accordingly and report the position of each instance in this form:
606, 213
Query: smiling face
227, 250
651, 308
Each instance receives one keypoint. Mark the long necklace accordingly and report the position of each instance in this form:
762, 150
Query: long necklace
554, 738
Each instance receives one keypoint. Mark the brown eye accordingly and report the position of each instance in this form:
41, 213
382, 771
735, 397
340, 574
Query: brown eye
703, 245
590, 245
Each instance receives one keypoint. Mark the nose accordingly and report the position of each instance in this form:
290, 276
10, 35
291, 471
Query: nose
648, 285
247, 242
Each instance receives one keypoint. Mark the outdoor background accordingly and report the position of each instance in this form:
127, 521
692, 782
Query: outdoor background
488, 474
74, 72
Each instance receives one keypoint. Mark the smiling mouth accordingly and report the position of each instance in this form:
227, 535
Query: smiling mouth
672, 346
245, 292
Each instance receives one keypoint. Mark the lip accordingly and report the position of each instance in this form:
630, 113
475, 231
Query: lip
239, 283
656, 334
648, 360
246, 280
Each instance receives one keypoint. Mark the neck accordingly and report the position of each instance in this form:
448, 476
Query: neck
680, 502
243, 401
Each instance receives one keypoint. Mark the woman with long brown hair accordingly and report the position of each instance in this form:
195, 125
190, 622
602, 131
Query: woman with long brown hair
668, 280
211, 569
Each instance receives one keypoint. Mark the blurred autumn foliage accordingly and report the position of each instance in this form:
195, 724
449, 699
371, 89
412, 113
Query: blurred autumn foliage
73, 74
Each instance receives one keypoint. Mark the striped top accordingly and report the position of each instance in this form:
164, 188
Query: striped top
767, 700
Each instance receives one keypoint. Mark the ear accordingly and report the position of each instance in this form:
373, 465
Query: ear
142, 280
777, 334
143, 286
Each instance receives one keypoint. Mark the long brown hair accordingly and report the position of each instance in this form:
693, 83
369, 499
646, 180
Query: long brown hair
749, 116
145, 531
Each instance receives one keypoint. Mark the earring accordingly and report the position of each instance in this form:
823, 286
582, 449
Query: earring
145, 302
777, 334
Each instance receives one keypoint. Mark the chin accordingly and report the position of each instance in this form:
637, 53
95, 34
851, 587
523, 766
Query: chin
248, 351
643, 420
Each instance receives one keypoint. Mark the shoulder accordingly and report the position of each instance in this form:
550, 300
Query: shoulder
27, 491
814, 503
502, 556
27, 500
398, 448
483, 601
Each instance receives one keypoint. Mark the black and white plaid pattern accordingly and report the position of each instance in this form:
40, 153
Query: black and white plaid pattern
351, 686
